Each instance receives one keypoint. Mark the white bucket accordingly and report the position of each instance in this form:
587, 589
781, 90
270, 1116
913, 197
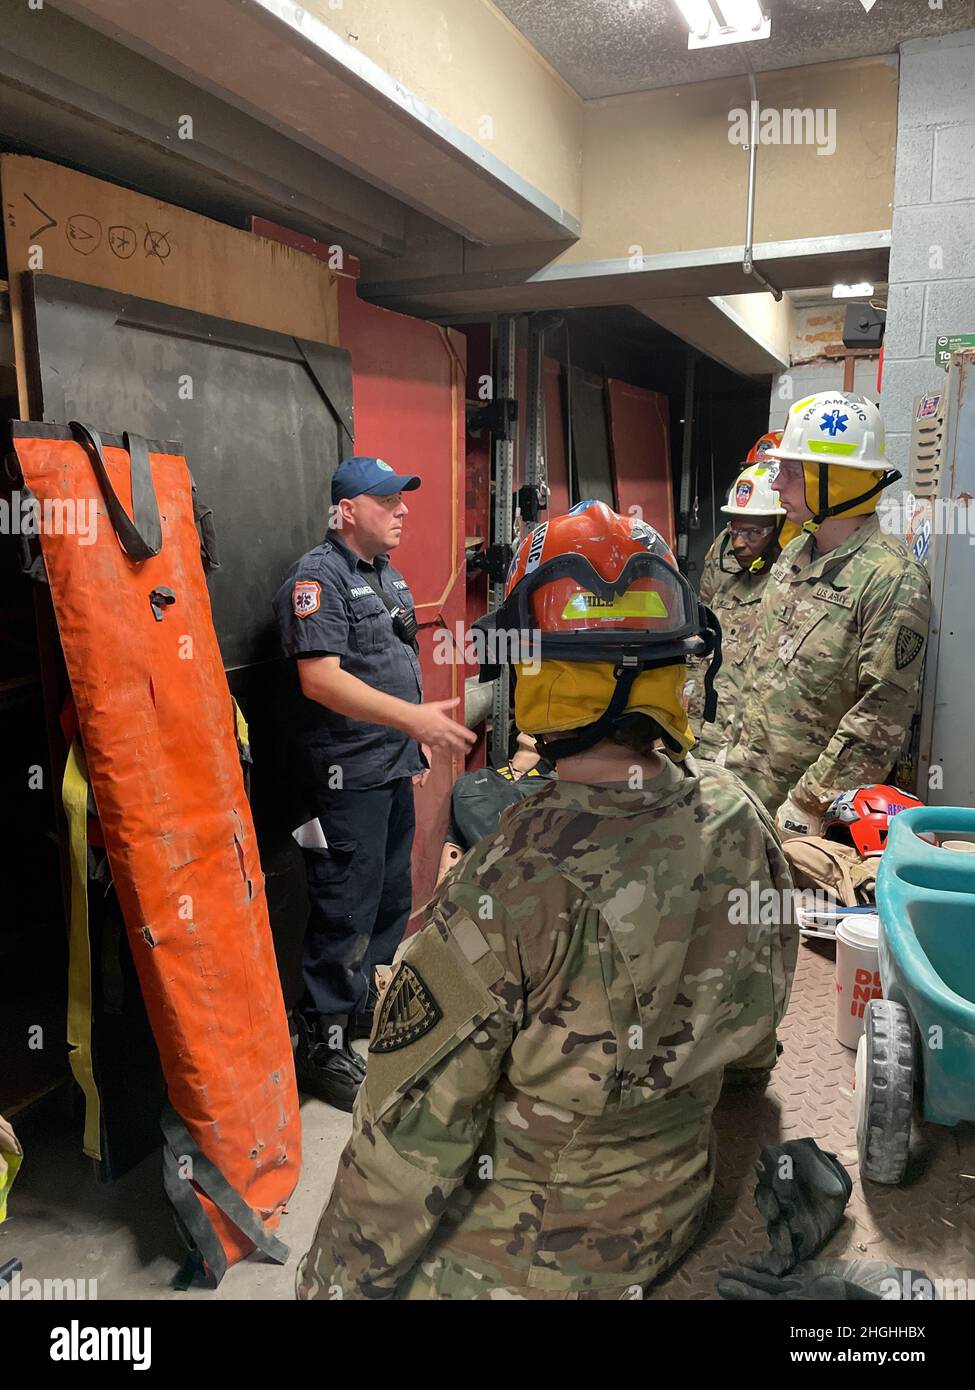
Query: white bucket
857, 974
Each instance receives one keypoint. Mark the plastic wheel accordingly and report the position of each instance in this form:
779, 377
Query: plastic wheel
885, 1091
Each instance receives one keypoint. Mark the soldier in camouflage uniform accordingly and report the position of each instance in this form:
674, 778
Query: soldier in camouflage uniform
736, 570
535, 1121
835, 670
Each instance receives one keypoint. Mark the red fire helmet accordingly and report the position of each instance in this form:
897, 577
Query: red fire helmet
759, 452
861, 817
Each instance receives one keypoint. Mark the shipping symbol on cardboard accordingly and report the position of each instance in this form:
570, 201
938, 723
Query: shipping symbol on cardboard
84, 233
122, 242
45, 226
156, 244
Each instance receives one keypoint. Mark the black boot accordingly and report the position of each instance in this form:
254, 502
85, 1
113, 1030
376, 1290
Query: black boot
332, 1073
361, 1024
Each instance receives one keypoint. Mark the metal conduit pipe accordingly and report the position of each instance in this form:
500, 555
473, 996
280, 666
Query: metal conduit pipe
747, 264
478, 701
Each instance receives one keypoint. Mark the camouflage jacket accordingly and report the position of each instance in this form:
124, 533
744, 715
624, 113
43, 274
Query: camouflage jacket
535, 1120
835, 670
734, 596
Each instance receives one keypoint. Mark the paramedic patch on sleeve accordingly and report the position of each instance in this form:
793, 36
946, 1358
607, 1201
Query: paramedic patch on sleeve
908, 646
408, 1011
306, 597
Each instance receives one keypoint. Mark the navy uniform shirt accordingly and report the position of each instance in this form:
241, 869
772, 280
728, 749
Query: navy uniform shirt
326, 607
479, 798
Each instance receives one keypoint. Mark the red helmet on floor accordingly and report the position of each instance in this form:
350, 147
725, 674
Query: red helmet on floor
862, 817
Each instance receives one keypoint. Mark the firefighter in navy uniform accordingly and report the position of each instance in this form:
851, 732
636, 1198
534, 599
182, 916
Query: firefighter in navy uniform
363, 736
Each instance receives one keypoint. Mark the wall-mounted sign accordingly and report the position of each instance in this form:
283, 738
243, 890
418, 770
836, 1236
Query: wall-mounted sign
949, 343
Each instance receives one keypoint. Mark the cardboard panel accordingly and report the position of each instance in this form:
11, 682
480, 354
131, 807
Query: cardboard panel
639, 423
68, 224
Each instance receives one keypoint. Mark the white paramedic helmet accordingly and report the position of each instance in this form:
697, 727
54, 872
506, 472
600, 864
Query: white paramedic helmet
834, 427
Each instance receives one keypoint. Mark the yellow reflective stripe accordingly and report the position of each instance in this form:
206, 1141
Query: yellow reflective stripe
74, 793
830, 446
638, 603
11, 1164
243, 733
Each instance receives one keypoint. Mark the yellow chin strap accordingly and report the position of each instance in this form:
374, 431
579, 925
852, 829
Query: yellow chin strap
559, 696
787, 532
842, 485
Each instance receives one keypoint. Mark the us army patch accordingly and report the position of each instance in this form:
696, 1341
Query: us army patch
908, 646
830, 595
407, 1012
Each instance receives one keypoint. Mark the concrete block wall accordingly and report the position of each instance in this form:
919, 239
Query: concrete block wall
807, 378
932, 261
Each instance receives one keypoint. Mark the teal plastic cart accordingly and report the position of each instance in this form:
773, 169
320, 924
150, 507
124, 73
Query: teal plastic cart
921, 1035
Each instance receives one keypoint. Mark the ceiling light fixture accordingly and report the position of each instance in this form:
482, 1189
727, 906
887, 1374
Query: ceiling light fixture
698, 16
715, 22
861, 291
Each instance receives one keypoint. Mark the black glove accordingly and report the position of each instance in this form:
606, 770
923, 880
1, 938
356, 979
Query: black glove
825, 1280
801, 1193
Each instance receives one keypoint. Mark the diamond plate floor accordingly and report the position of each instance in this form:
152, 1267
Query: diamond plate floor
927, 1223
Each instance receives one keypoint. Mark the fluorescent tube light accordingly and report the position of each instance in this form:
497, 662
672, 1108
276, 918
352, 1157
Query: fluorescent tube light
698, 16
861, 291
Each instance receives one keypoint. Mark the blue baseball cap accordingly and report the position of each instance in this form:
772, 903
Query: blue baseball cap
359, 475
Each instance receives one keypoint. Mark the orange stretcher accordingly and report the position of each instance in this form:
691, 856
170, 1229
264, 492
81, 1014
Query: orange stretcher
157, 729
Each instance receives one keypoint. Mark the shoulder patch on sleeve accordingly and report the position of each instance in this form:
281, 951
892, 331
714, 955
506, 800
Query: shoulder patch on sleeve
908, 646
434, 1001
306, 597
407, 1012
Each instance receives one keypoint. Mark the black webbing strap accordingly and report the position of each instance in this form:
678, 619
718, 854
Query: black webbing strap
581, 739
710, 710
31, 556
203, 517
372, 578
139, 535
179, 1146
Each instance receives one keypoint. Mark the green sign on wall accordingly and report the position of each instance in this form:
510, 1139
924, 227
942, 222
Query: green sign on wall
949, 343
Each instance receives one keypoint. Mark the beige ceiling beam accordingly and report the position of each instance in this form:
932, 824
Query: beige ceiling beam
298, 69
